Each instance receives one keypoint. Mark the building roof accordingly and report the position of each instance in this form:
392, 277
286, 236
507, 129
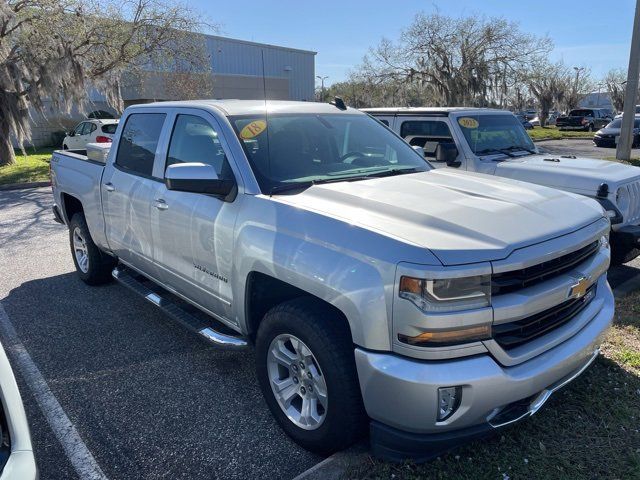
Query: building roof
258, 44
249, 107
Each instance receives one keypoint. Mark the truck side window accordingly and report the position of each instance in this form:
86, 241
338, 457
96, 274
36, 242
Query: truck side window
194, 140
137, 148
427, 134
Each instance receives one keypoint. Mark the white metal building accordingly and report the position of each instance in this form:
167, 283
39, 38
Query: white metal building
237, 68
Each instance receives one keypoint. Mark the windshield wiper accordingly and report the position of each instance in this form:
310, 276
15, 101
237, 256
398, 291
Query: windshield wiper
393, 171
354, 178
488, 151
518, 147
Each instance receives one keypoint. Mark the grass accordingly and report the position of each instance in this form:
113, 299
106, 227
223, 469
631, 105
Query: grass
589, 430
544, 133
33, 167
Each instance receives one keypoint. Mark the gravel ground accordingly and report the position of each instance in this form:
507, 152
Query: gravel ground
148, 398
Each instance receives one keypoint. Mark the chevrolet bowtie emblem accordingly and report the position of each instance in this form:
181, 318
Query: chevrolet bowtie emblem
579, 289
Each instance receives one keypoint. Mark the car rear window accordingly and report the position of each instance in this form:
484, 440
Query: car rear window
110, 129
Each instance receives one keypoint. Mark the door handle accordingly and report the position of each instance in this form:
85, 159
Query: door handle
109, 187
160, 204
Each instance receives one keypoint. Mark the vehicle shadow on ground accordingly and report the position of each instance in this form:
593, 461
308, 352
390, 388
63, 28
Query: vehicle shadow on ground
20, 228
149, 398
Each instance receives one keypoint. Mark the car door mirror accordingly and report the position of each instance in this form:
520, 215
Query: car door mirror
419, 149
197, 178
71, 134
448, 153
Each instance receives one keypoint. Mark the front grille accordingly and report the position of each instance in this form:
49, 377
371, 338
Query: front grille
634, 203
517, 279
512, 334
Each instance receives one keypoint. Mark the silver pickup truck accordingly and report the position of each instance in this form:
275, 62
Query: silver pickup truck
430, 306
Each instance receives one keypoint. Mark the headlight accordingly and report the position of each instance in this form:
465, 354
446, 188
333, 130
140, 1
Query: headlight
623, 200
447, 295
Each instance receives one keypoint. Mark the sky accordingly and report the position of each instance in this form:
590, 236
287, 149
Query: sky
586, 33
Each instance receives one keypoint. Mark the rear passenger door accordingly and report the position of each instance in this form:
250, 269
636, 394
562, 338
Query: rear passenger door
427, 133
128, 190
193, 232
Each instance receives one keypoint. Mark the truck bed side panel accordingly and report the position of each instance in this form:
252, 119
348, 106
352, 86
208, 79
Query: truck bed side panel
78, 177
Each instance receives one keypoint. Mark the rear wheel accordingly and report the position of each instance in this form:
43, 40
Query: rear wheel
306, 370
589, 127
93, 266
64, 147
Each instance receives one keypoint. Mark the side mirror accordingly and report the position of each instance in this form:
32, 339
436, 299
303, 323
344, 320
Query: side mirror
71, 134
448, 153
197, 178
419, 149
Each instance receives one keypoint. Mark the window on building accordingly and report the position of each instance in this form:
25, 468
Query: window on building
137, 148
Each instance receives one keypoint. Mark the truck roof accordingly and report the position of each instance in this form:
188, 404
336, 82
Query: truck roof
444, 111
248, 107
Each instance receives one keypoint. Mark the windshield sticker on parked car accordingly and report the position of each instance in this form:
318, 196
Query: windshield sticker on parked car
468, 122
253, 129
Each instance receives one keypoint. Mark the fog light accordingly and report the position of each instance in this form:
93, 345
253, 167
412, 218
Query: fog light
449, 399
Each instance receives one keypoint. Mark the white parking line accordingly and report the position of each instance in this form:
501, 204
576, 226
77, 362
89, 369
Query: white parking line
79, 455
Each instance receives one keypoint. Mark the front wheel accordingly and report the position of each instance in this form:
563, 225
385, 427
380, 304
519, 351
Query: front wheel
306, 370
93, 266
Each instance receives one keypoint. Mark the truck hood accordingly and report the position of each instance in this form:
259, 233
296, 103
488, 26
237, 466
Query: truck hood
581, 175
460, 217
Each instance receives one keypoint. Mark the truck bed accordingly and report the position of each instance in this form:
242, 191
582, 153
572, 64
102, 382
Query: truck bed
75, 176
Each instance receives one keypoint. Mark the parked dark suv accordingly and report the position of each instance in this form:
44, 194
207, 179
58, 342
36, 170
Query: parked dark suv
588, 119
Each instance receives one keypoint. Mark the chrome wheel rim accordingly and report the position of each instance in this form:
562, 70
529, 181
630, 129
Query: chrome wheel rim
80, 250
297, 381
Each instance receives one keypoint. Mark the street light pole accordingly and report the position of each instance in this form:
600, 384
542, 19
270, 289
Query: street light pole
575, 85
322, 79
623, 152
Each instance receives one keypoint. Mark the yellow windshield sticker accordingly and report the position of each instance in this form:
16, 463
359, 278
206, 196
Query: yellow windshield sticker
468, 122
253, 129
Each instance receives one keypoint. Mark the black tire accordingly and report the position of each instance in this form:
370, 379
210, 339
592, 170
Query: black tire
64, 147
589, 128
100, 264
328, 337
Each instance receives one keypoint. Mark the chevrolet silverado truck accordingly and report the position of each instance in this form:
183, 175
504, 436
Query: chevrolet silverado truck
427, 305
493, 142
588, 119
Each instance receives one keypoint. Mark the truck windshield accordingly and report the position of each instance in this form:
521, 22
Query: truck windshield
304, 149
495, 134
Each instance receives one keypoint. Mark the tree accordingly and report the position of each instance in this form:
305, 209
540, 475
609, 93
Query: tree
547, 83
56, 50
457, 61
615, 82
577, 84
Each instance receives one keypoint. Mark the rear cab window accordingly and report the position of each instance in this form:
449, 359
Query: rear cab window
138, 143
109, 128
426, 134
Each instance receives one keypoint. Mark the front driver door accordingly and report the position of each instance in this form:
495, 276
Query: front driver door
193, 232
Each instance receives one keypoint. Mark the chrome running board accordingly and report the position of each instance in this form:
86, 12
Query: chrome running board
204, 329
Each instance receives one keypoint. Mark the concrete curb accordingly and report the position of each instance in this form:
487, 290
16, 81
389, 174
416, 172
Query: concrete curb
20, 186
335, 466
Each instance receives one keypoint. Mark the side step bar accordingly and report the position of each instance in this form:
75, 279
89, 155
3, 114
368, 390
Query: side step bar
203, 329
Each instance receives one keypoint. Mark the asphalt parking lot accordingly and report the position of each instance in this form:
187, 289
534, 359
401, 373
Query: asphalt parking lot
582, 147
147, 398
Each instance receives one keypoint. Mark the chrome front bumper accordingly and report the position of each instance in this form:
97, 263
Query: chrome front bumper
401, 392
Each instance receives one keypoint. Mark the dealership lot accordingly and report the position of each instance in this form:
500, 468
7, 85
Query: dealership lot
148, 399
581, 147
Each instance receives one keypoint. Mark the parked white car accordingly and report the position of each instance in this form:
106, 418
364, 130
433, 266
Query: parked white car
90, 131
494, 142
551, 120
